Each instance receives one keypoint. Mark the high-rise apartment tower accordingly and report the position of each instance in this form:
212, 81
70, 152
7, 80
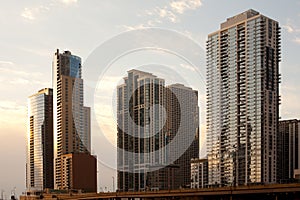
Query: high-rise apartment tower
182, 128
140, 121
71, 118
158, 133
242, 100
39, 163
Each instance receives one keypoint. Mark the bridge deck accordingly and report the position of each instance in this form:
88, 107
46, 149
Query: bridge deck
286, 189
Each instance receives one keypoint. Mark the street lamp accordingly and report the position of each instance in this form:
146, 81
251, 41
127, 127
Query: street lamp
2, 194
113, 182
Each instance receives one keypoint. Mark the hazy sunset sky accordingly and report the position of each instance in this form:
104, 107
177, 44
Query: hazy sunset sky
32, 30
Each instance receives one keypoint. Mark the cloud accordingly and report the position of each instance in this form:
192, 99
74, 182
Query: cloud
297, 40
40, 51
154, 22
5, 63
68, 2
28, 14
172, 11
12, 76
169, 12
289, 28
166, 13
188, 67
17, 72
10, 106
293, 29
183, 5
150, 23
163, 13
12, 114
136, 27
34, 12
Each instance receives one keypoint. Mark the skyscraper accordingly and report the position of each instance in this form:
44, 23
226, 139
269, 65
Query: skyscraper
39, 163
182, 122
140, 124
150, 116
243, 99
288, 147
71, 118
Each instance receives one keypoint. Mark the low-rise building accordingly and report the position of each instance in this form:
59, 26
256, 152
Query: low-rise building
199, 173
79, 171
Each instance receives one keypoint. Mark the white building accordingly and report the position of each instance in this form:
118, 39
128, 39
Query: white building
243, 100
199, 173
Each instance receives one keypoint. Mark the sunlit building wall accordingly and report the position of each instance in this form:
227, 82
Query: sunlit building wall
39, 161
243, 100
199, 173
71, 133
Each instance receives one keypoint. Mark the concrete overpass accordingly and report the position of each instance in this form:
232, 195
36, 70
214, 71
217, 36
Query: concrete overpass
255, 192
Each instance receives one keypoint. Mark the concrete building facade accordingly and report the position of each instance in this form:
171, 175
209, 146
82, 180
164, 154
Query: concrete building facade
158, 133
199, 173
71, 118
140, 134
243, 100
182, 123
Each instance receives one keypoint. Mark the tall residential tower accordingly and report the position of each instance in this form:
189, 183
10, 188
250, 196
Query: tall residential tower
140, 122
243, 99
39, 163
182, 127
158, 133
71, 121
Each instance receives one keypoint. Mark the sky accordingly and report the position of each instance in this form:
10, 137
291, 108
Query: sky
32, 30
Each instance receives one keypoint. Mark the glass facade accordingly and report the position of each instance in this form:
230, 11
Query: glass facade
39, 165
242, 100
75, 66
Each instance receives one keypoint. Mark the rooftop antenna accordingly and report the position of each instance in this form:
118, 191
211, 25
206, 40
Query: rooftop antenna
2, 194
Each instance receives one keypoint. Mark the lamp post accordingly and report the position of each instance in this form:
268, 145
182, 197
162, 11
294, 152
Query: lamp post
235, 165
113, 183
2, 194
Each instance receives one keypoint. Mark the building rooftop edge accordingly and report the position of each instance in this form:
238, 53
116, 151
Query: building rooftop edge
41, 91
67, 53
179, 85
141, 72
255, 14
288, 120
